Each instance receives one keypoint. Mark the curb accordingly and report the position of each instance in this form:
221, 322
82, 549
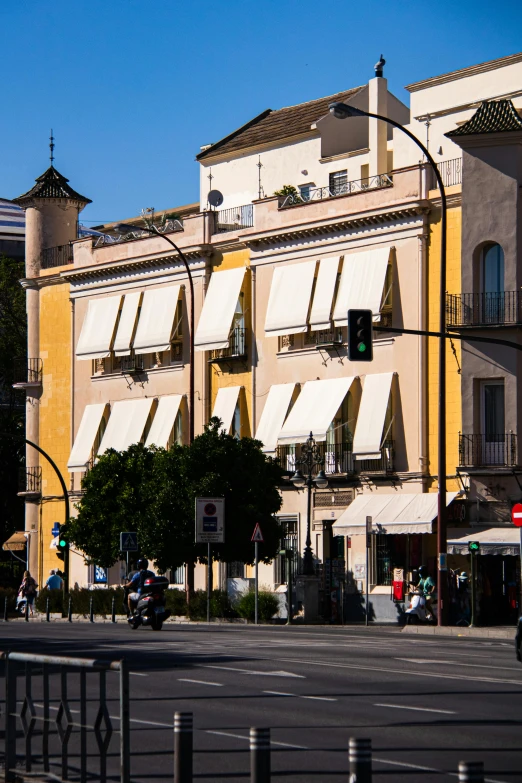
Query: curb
455, 631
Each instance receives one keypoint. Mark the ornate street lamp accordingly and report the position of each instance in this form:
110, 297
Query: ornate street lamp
310, 459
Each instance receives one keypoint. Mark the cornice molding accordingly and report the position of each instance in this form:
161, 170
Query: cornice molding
463, 73
108, 269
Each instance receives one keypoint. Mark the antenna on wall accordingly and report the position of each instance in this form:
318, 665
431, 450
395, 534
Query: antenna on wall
260, 191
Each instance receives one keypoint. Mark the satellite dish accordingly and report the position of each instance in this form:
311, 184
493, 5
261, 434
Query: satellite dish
215, 198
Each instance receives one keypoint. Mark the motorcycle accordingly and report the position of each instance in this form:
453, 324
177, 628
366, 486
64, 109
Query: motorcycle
151, 607
418, 612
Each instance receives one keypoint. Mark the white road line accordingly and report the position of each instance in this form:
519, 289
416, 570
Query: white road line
240, 736
417, 709
249, 671
428, 769
200, 682
319, 698
279, 693
138, 674
458, 663
300, 696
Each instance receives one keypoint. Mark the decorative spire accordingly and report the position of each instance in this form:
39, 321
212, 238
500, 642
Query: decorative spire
379, 66
51, 146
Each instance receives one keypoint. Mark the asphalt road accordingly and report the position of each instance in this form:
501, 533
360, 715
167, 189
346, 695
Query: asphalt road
426, 703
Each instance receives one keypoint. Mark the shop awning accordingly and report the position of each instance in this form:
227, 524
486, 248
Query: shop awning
320, 315
390, 513
289, 300
362, 283
274, 414
123, 340
85, 437
493, 540
225, 405
126, 424
15, 543
163, 422
156, 319
371, 417
314, 410
95, 341
215, 321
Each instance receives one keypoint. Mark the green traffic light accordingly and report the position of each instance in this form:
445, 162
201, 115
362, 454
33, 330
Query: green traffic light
62, 543
361, 347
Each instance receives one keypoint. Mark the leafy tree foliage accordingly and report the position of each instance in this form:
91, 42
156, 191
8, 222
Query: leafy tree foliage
153, 491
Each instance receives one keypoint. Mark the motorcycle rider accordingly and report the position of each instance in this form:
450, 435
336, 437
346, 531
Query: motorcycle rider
427, 585
137, 582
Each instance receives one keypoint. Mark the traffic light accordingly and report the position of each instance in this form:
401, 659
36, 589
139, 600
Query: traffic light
474, 547
360, 335
62, 544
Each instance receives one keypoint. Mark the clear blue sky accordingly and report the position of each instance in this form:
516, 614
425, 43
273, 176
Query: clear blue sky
132, 88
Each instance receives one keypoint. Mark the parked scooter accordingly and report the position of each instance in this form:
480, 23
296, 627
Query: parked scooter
151, 607
418, 612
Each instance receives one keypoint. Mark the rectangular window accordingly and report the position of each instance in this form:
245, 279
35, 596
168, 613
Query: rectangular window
236, 570
289, 541
177, 575
338, 182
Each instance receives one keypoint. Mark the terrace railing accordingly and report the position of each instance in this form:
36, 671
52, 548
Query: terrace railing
233, 219
337, 189
493, 308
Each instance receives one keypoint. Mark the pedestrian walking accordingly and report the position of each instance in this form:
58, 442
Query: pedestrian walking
54, 580
28, 590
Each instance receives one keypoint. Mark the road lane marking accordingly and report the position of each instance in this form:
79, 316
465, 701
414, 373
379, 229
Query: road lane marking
429, 769
201, 682
241, 737
417, 709
300, 696
138, 674
458, 663
249, 671
279, 693
319, 698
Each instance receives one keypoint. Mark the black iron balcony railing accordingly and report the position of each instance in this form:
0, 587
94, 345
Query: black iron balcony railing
485, 309
57, 256
236, 346
450, 171
337, 189
325, 337
233, 219
477, 451
30, 481
27, 372
337, 457
132, 364
385, 463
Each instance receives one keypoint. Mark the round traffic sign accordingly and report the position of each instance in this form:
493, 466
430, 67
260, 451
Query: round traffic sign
210, 509
516, 514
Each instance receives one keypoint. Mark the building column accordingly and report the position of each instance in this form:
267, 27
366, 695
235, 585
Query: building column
377, 130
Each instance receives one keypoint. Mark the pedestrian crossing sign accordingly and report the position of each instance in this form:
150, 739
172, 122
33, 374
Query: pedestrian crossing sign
257, 535
128, 542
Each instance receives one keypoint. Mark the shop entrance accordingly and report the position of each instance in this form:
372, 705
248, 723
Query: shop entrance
498, 589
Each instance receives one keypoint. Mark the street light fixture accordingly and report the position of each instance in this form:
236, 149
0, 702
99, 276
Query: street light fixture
309, 460
150, 228
341, 111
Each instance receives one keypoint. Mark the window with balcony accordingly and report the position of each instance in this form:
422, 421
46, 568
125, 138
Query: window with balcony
289, 541
338, 182
493, 445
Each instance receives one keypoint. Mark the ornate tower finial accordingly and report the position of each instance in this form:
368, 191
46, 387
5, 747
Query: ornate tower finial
379, 66
51, 146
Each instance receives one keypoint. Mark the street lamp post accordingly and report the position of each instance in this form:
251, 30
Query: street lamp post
309, 460
341, 111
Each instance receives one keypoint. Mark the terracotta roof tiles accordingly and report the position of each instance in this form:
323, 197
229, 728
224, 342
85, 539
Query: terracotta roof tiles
490, 117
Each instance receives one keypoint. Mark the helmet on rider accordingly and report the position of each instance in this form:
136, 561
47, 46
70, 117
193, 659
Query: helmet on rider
423, 571
142, 564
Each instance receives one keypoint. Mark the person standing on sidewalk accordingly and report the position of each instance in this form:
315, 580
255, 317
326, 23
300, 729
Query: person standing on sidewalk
54, 581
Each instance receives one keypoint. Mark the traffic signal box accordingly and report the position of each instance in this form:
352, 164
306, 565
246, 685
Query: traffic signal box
360, 336
63, 543
474, 547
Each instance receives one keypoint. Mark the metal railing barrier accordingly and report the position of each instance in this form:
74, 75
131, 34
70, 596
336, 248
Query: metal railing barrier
342, 188
91, 609
69, 611
183, 747
259, 755
40, 673
471, 772
450, 171
113, 610
233, 219
360, 758
5, 610
57, 256
47, 611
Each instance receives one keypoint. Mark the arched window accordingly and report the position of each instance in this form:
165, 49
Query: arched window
492, 271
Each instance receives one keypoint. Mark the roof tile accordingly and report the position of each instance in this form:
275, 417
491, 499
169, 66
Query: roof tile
490, 117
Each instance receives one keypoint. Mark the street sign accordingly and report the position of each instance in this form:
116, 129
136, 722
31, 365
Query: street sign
210, 520
257, 535
516, 514
128, 542
56, 529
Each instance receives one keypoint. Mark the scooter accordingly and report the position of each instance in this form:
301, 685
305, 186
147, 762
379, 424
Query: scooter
151, 607
417, 612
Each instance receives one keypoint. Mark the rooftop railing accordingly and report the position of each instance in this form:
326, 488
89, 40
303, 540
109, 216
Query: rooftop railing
337, 189
488, 450
57, 256
233, 219
484, 309
450, 171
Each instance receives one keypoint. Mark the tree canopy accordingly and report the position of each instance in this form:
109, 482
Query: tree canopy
153, 491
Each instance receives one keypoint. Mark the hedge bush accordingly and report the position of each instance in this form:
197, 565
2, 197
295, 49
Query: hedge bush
80, 598
10, 593
268, 605
220, 605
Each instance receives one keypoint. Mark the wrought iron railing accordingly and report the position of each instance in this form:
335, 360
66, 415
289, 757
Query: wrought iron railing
324, 337
137, 232
132, 363
233, 219
484, 309
30, 480
236, 346
27, 371
57, 256
336, 457
64, 719
450, 172
337, 189
385, 463
480, 450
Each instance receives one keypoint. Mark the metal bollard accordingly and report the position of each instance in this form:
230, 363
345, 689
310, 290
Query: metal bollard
26, 609
259, 755
471, 772
5, 610
69, 612
360, 756
47, 611
113, 610
182, 747
91, 610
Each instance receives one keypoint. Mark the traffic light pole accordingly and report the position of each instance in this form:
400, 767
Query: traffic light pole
473, 558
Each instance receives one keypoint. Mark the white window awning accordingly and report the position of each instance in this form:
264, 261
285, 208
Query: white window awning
320, 315
126, 424
362, 283
123, 341
85, 437
225, 405
274, 414
289, 300
96, 336
215, 322
397, 513
493, 540
314, 410
367, 439
156, 319
163, 421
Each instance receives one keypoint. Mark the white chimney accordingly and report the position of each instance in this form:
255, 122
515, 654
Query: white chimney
377, 130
